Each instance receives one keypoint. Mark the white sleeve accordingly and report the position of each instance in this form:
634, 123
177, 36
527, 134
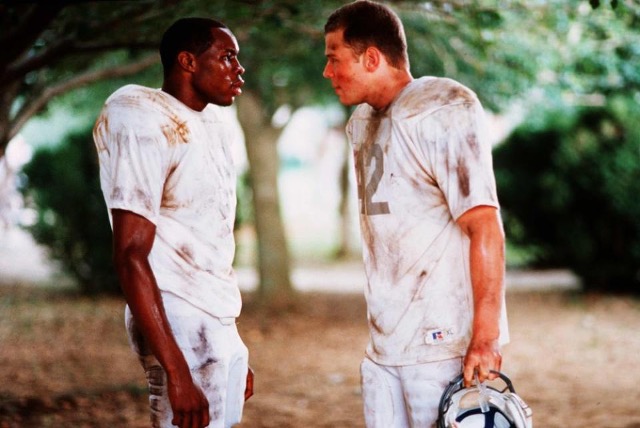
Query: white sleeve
135, 158
456, 143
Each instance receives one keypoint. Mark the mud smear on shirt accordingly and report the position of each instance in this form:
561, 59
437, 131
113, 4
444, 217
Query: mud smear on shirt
101, 128
371, 135
143, 197
131, 99
116, 194
471, 149
458, 93
168, 198
416, 293
472, 143
176, 131
185, 252
435, 94
373, 323
139, 195
462, 171
455, 94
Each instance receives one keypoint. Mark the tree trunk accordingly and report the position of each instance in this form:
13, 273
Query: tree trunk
275, 289
345, 245
8, 94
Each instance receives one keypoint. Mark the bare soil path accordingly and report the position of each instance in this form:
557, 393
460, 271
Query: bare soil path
65, 362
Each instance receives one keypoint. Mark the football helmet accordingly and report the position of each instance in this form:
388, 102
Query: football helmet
490, 404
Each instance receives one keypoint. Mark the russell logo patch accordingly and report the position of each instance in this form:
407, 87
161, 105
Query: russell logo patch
438, 336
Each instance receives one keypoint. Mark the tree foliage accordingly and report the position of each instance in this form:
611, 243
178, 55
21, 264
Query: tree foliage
72, 221
501, 50
569, 176
570, 190
56, 46
53, 47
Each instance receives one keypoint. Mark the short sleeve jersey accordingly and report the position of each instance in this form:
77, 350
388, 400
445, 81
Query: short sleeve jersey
420, 164
173, 166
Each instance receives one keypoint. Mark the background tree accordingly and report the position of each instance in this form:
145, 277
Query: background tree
53, 47
568, 177
569, 191
61, 45
64, 182
56, 46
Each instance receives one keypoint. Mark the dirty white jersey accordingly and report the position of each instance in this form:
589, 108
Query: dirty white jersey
173, 166
420, 165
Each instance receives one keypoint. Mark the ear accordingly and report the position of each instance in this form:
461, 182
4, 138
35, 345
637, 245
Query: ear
186, 61
372, 58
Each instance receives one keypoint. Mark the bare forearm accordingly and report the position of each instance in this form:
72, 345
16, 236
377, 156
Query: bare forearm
145, 302
133, 238
487, 278
483, 227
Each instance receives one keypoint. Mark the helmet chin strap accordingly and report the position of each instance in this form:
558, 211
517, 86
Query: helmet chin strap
484, 398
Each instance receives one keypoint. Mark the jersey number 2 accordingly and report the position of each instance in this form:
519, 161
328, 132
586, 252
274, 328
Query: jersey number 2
367, 189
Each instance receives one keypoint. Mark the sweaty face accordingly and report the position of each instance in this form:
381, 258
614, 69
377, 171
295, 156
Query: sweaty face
344, 69
216, 78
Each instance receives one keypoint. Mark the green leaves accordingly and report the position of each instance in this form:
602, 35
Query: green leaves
72, 219
570, 189
596, 3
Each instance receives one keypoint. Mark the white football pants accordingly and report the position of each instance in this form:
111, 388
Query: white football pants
215, 353
405, 396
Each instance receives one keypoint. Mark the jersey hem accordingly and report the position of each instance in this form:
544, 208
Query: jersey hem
413, 361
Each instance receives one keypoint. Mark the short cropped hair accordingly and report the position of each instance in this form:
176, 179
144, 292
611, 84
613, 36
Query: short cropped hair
366, 23
186, 34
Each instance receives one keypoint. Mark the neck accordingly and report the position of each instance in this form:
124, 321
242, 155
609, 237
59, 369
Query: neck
180, 92
388, 87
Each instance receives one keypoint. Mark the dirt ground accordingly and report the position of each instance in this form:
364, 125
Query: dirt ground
65, 362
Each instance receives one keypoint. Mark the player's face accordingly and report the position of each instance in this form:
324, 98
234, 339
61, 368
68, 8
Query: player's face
345, 70
216, 78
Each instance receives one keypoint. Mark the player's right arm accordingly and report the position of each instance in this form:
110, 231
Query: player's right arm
133, 237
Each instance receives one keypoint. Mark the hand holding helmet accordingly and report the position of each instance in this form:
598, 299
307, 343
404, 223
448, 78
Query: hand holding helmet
483, 405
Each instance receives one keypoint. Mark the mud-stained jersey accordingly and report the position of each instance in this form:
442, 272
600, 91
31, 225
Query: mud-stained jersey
173, 166
420, 165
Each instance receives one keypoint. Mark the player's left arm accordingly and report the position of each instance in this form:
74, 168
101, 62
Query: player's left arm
483, 226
